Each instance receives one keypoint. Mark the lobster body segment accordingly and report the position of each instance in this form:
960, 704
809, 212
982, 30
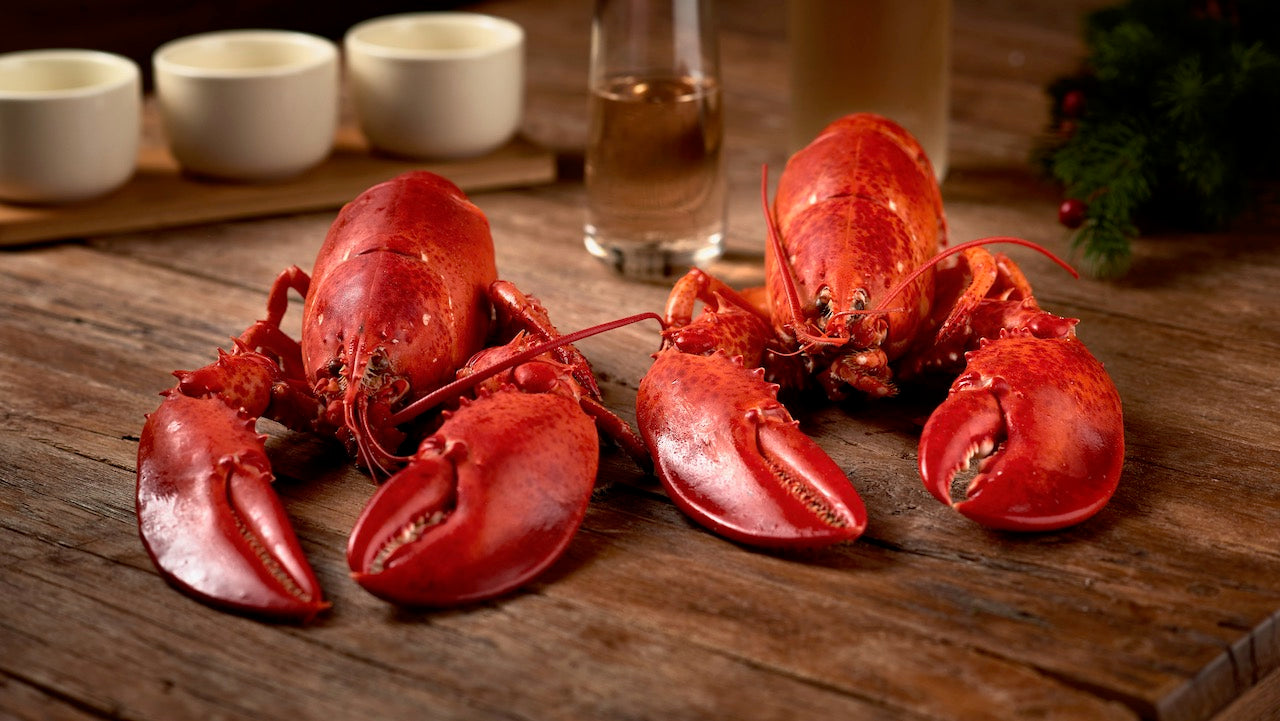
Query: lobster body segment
417, 245
401, 302
862, 293
857, 210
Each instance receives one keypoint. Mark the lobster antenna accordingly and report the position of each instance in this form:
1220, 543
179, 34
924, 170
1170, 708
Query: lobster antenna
356, 414
466, 383
779, 253
789, 281
913, 275
378, 458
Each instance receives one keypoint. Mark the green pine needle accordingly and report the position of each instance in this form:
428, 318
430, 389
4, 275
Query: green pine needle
1182, 102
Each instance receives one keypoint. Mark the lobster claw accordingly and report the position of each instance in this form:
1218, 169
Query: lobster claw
209, 518
1046, 419
730, 456
484, 506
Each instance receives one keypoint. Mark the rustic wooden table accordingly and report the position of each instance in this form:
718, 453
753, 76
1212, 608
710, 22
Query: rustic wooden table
1164, 606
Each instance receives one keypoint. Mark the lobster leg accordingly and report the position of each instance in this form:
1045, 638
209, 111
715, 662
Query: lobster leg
207, 515
977, 297
726, 451
518, 311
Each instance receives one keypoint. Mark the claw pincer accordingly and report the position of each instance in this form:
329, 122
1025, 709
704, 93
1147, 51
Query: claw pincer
207, 514
479, 510
485, 505
1047, 418
727, 452
732, 458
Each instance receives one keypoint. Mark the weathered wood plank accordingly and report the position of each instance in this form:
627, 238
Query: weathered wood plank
170, 198
476, 663
70, 373
1259, 702
897, 447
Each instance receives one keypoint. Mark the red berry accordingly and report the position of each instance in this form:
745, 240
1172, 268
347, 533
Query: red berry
1073, 104
1071, 213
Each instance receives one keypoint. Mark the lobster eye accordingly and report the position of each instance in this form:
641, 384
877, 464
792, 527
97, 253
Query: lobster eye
822, 304
859, 302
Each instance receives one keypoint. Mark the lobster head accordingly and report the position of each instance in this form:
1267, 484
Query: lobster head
397, 300
847, 238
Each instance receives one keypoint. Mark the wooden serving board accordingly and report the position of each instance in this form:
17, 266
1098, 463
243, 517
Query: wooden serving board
160, 195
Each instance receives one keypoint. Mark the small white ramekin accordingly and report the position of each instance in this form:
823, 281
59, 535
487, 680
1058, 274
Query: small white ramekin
437, 84
250, 105
70, 123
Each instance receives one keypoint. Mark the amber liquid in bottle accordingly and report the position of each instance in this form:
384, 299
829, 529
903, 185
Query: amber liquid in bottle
883, 56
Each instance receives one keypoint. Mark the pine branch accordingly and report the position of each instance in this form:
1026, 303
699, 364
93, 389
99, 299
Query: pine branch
1172, 123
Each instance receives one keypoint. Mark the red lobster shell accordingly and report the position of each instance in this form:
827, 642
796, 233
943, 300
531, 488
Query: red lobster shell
858, 298
403, 293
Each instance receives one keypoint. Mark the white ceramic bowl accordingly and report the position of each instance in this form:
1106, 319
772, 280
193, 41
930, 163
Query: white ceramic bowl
437, 84
70, 122
253, 105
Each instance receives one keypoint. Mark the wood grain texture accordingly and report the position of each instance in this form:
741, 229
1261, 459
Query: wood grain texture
1164, 606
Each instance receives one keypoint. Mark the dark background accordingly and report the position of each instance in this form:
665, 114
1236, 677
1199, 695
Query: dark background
135, 28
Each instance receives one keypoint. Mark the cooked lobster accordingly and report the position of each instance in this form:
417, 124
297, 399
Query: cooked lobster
860, 295
402, 300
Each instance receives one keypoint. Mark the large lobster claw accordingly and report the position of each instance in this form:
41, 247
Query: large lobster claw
207, 514
1047, 418
731, 457
485, 505
495, 495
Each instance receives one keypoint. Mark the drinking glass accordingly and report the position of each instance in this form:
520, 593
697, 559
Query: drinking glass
654, 170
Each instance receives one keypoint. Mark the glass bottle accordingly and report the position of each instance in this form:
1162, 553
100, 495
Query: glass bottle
891, 57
